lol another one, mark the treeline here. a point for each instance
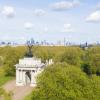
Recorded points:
(87, 60)
(75, 74)
(9, 56)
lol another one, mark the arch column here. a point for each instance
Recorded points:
(21, 76)
(17, 76)
(24, 78)
(33, 79)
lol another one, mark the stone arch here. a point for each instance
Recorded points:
(28, 77)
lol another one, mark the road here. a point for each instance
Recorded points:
(18, 93)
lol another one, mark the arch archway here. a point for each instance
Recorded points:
(28, 77)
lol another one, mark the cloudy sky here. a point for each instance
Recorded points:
(76, 20)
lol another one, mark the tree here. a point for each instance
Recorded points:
(11, 57)
(65, 82)
(94, 59)
(86, 67)
(71, 55)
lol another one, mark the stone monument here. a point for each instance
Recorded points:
(28, 68)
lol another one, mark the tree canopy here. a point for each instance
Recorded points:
(66, 82)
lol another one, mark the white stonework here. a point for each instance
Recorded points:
(28, 69)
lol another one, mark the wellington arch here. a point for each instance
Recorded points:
(28, 68)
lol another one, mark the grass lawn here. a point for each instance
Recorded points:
(28, 97)
(4, 79)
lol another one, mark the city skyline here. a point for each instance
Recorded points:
(76, 20)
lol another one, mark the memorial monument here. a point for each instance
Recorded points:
(28, 68)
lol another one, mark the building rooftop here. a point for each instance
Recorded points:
(30, 62)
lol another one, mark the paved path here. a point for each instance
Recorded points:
(18, 92)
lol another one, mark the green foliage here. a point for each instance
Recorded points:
(60, 54)
(44, 52)
(86, 67)
(4, 79)
(72, 56)
(94, 59)
(1, 91)
(61, 81)
(66, 82)
(4, 95)
(10, 56)
(29, 97)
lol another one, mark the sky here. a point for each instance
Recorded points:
(52, 20)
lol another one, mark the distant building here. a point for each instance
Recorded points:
(85, 46)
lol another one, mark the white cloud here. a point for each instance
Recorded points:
(67, 28)
(94, 17)
(39, 12)
(8, 11)
(28, 25)
(65, 5)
